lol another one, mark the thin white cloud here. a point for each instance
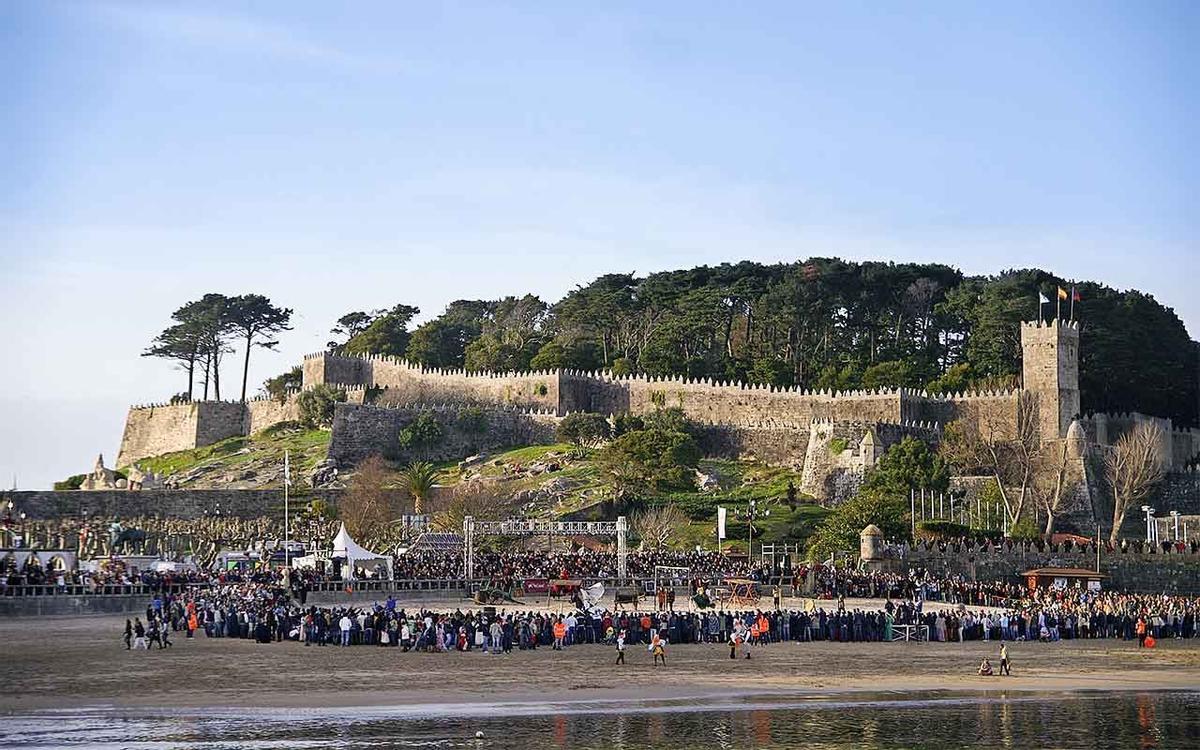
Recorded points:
(233, 33)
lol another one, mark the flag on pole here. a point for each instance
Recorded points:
(1075, 297)
(721, 522)
(1043, 299)
(1062, 295)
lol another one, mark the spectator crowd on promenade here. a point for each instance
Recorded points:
(266, 612)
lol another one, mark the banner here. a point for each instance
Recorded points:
(536, 585)
(720, 522)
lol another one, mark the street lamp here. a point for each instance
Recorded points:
(1175, 519)
(749, 514)
(1149, 520)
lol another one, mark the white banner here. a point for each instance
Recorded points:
(720, 522)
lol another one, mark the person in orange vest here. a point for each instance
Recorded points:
(560, 633)
(1140, 629)
(764, 629)
(754, 632)
(659, 648)
(646, 626)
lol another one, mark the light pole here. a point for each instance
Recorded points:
(1149, 514)
(750, 513)
(1175, 519)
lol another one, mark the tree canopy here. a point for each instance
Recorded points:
(818, 323)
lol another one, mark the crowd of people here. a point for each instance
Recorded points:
(268, 611)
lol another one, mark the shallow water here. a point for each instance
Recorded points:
(1081, 720)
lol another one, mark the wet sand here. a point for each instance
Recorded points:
(73, 662)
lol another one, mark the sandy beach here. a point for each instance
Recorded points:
(81, 662)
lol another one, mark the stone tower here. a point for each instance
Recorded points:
(1050, 371)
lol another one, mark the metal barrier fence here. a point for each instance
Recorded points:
(459, 586)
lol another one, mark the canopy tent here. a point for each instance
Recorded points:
(359, 557)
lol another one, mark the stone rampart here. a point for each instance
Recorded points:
(185, 504)
(1142, 571)
(362, 430)
(165, 428)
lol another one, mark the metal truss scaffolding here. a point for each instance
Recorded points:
(472, 528)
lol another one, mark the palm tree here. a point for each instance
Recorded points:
(418, 480)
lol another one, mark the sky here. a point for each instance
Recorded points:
(339, 157)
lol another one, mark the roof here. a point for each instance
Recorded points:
(437, 541)
(871, 530)
(344, 546)
(1064, 573)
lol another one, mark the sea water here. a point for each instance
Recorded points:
(1015, 720)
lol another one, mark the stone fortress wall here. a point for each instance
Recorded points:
(784, 425)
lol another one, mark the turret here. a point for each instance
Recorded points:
(1050, 371)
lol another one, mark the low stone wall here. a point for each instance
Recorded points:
(1146, 572)
(185, 504)
(42, 606)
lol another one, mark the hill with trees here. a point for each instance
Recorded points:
(819, 323)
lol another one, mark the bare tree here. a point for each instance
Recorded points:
(656, 526)
(1133, 467)
(990, 443)
(482, 499)
(368, 507)
(1053, 486)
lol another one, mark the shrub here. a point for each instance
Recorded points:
(584, 430)
(72, 482)
(837, 445)
(473, 421)
(316, 405)
(423, 432)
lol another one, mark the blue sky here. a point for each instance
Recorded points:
(350, 156)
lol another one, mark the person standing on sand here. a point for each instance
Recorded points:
(1004, 667)
(621, 648)
(659, 647)
(139, 634)
(128, 634)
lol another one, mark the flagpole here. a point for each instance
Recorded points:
(1057, 306)
(1072, 303)
(287, 479)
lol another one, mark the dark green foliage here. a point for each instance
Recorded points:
(626, 422)
(671, 419)
(253, 319)
(316, 405)
(908, 465)
(386, 334)
(584, 430)
(650, 460)
(278, 386)
(473, 421)
(423, 432)
(837, 445)
(839, 532)
(72, 482)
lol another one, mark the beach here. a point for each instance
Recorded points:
(81, 662)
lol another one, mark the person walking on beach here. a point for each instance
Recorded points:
(164, 633)
(1004, 667)
(659, 648)
(346, 624)
(621, 648)
(128, 634)
(139, 634)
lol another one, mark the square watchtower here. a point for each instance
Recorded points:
(1050, 371)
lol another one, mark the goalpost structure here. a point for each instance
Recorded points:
(549, 529)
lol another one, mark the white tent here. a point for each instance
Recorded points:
(357, 556)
